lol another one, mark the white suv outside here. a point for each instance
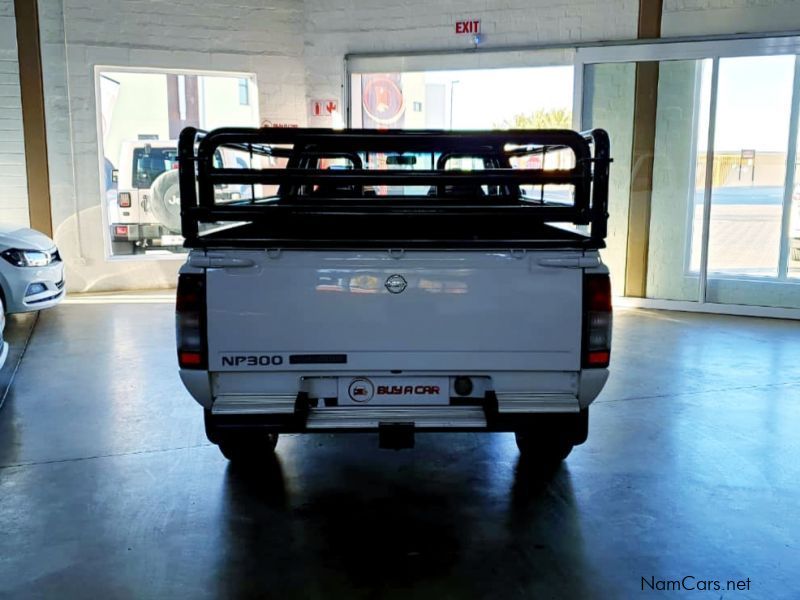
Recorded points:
(137, 218)
(144, 210)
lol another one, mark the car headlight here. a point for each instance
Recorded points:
(27, 258)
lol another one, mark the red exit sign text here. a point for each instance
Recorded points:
(468, 27)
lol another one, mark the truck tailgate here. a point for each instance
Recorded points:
(458, 311)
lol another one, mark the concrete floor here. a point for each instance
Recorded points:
(108, 488)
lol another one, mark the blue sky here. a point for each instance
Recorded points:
(753, 103)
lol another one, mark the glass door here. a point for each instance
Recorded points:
(792, 220)
(678, 166)
(724, 223)
(748, 253)
(679, 174)
(608, 94)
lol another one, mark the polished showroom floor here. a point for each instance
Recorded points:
(108, 488)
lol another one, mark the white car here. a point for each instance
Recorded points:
(31, 270)
(3, 343)
(794, 234)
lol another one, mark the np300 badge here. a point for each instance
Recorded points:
(396, 284)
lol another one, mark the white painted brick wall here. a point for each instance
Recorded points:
(701, 17)
(334, 28)
(13, 180)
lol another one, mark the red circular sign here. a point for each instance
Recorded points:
(382, 99)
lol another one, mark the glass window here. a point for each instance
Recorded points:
(794, 220)
(142, 114)
(676, 209)
(405, 161)
(512, 98)
(725, 197)
(754, 100)
(608, 95)
(244, 92)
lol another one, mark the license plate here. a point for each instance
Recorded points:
(394, 391)
(171, 240)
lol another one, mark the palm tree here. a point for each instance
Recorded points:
(554, 118)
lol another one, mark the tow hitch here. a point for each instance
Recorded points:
(395, 436)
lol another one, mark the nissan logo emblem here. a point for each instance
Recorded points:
(396, 284)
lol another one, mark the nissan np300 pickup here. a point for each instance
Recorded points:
(395, 282)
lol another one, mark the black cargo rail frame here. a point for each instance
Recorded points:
(198, 178)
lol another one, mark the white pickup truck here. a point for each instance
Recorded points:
(395, 282)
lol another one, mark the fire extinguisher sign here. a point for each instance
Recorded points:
(324, 107)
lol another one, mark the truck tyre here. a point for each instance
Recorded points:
(248, 447)
(545, 450)
(550, 440)
(245, 446)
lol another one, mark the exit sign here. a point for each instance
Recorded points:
(473, 27)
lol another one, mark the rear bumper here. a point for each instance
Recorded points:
(495, 410)
(351, 419)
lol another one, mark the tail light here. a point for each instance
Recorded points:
(121, 230)
(124, 199)
(190, 326)
(596, 321)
